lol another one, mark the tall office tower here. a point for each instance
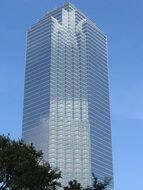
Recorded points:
(66, 95)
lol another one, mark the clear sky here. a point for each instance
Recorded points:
(122, 21)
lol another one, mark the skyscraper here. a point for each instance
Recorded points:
(66, 95)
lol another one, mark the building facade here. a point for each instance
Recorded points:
(66, 95)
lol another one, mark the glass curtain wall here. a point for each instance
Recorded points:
(66, 95)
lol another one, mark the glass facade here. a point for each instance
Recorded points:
(66, 96)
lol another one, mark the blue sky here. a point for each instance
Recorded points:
(122, 21)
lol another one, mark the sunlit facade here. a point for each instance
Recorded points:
(66, 95)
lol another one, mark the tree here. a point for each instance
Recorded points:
(73, 185)
(98, 185)
(22, 167)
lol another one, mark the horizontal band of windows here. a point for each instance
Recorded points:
(97, 74)
(92, 79)
(31, 130)
(38, 48)
(45, 75)
(95, 78)
(96, 48)
(38, 42)
(27, 122)
(93, 29)
(99, 124)
(40, 30)
(42, 64)
(35, 124)
(96, 118)
(99, 140)
(101, 149)
(33, 68)
(98, 70)
(93, 51)
(39, 80)
(98, 114)
(97, 43)
(99, 144)
(98, 102)
(30, 87)
(38, 51)
(36, 99)
(57, 51)
(92, 33)
(34, 47)
(99, 109)
(95, 63)
(45, 68)
(37, 72)
(38, 58)
(26, 133)
(35, 62)
(43, 31)
(38, 27)
(98, 95)
(100, 172)
(31, 65)
(96, 56)
(104, 132)
(95, 152)
(36, 119)
(45, 20)
(98, 151)
(35, 114)
(101, 162)
(37, 89)
(28, 126)
(91, 25)
(38, 55)
(31, 100)
(42, 107)
(29, 109)
(96, 126)
(105, 138)
(30, 123)
(98, 98)
(96, 139)
(99, 132)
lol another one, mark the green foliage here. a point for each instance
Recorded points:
(73, 185)
(22, 167)
(100, 185)
(97, 185)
